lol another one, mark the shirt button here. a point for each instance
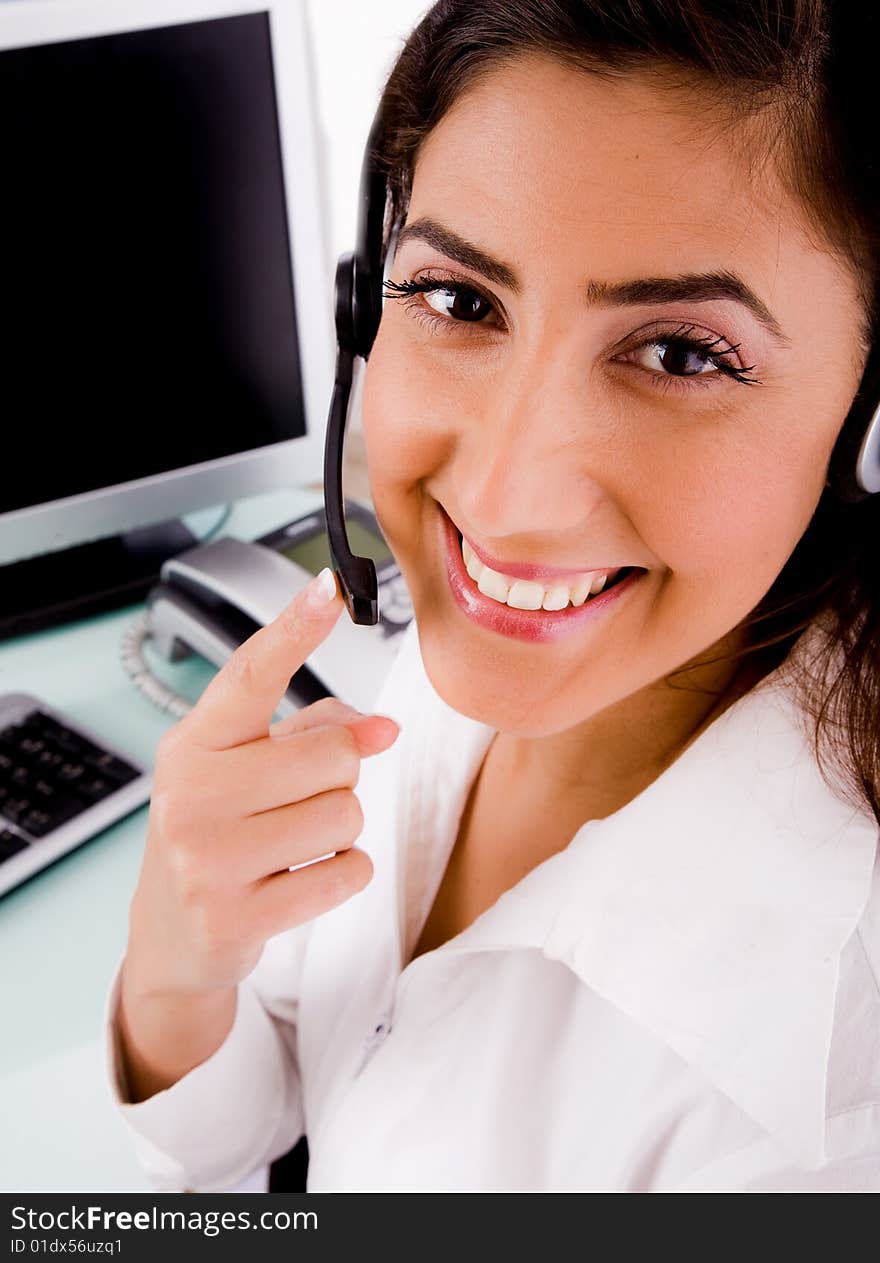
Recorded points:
(379, 1032)
(382, 1029)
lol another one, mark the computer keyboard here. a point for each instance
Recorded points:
(60, 784)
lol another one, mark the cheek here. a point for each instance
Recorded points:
(406, 415)
(738, 518)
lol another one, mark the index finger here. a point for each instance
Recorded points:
(239, 702)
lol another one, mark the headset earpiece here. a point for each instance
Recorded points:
(358, 306)
(868, 460)
(854, 467)
(346, 336)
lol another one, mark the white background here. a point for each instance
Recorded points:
(356, 43)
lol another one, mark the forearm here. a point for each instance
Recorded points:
(163, 1037)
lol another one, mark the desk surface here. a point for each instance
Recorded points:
(62, 932)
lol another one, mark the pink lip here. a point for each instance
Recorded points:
(531, 625)
(528, 570)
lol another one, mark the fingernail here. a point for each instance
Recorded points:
(321, 590)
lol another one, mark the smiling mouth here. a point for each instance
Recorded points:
(526, 594)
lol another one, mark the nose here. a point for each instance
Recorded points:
(531, 457)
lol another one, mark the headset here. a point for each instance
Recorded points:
(358, 312)
(853, 468)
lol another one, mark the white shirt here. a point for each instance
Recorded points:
(684, 998)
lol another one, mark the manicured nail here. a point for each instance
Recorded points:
(321, 590)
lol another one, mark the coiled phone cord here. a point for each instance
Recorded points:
(139, 672)
(132, 657)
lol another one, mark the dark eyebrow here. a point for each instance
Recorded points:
(695, 287)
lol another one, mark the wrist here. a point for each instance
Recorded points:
(162, 1035)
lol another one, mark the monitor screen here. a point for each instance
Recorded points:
(147, 316)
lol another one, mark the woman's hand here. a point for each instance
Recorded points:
(232, 809)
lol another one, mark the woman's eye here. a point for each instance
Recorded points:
(672, 356)
(459, 304)
(452, 303)
(678, 358)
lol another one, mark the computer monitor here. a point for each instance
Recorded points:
(166, 323)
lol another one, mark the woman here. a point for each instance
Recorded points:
(614, 924)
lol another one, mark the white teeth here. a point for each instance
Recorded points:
(524, 594)
(555, 598)
(581, 590)
(493, 584)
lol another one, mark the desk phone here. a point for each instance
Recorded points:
(212, 597)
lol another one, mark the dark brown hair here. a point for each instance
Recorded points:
(802, 72)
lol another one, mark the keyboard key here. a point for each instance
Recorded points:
(43, 817)
(70, 772)
(115, 769)
(44, 790)
(24, 749)
(38, 822)
(10, 844)
(14, 808)
(64, 737)
(31, 779)
(94, 788)
(70, 743)
(50, 759)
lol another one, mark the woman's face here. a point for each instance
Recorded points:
(559, 427)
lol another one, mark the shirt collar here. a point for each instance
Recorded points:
(712, 908)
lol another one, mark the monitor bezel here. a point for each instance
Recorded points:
(104, 511)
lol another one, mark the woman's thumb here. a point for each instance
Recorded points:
(373, 733)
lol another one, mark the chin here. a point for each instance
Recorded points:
(472, 689)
